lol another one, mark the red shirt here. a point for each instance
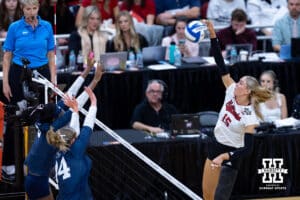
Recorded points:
(100, 3)
(148, 9)
(227, 36)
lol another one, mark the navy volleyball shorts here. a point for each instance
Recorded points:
(36, 186)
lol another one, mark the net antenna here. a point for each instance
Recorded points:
(37, 77)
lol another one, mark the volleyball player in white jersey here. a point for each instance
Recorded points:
(233, 134)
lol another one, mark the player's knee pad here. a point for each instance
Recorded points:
(226, 183)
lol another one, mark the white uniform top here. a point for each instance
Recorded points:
(271, 114)
(233, 119)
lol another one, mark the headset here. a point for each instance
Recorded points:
(164, 86)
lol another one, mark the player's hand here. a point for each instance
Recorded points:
(71, 102)
(210, 27)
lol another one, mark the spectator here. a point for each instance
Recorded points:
(219, 11)
(88, 36)
(168, 10)
(237, 33)
(142, 10)
(287, 27)
(266, 12)
(31, 38)
(153, 114)
(275, 108)
(143, 13)
(10, 11)
(109, 9)
(126, 38)
(186, 47)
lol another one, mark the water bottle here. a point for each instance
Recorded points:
(72, 61)
(177, 55)
(80, 61)
(233, 56)
(139, 60)
(172, 53)
(131, 59)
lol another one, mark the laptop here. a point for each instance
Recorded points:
(185, 125)
(153, 54)
(239, 47)
(114, 61)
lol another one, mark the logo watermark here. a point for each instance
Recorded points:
(272, 174)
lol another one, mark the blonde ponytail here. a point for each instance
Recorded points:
(258, 94)
(54, 139)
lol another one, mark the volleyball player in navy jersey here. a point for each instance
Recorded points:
(72, 165)
(233, 134)
(41, 157)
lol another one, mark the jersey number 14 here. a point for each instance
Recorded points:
(62, 169)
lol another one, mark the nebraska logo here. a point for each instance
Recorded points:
(272, 170)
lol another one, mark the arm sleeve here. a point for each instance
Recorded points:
(90, 117)
(73, 90)
(62, 121)
(245, 150)
(75, 123)
(82, 99)
(216, 51)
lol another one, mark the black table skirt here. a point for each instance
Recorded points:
(118, 174)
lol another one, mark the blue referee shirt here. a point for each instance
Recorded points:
(34, 44)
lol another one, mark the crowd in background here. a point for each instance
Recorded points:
(154, 19)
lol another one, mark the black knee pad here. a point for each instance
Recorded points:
(226, 183)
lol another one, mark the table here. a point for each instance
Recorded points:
(117, 174)
(190, 89)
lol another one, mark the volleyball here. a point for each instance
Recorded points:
(195, 31)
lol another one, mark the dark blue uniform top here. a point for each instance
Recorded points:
(41, 157)
(73, 167)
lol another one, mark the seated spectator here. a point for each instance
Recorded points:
(287, 27)
(276, 107)
(186, 47)
(219, 11)
(126, 38)
(153, 114)
(10, 11)
(109, 9)
(237, 33)
(88, 37)
(141, 10)
(266, 12)
(168, 10)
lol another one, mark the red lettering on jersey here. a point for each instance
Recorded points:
(230, 108)
(226, 119)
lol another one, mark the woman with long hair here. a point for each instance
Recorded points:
(73, 165)
(276, 107)
(10, 11)
(233, 134)
(126, 38)
(41, 157)
(88, 36)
